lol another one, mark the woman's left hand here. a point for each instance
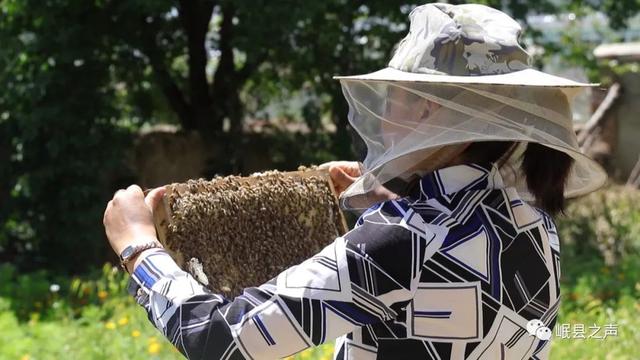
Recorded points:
(343, 173)
(128, 218)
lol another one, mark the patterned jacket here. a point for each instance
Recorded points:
(455, 270)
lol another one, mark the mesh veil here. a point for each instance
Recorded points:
(416, 127)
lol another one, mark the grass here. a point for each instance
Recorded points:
(597, 297)
(89, 318)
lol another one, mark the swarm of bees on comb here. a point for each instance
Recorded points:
(233, 232)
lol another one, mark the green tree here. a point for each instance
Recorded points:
(60, 139)
(78, 78)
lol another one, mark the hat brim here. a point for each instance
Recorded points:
(596, 177)
(527, 77)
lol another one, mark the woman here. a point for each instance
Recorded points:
(448, 261)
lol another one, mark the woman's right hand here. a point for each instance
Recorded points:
(343, 173)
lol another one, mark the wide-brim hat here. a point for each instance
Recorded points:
(463, 44)
(473, 49)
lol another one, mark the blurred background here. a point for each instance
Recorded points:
(99, 94)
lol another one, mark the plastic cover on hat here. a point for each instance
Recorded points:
(417, 127)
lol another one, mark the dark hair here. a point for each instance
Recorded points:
(546, 170)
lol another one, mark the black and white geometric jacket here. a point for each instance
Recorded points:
(455, 270)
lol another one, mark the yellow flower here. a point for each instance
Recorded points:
(33, 318)
(110, 325)
(102, 294)
(123, 321)
(135, 333)
(154, 348)
(25, 357)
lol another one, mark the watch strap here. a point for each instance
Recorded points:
(135, 250)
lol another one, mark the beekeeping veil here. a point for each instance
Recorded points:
(458, 77)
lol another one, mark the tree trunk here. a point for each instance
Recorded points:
(196, 16)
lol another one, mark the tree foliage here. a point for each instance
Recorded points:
(80, 77)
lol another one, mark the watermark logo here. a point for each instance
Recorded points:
(537, 328)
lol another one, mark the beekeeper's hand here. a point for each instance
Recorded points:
(128, 218)
(343, 173)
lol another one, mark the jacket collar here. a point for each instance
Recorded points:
(452, 179)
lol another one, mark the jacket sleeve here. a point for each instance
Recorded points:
(367, 276)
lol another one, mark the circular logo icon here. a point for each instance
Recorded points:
(537, 328)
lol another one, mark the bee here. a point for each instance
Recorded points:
(243, 231)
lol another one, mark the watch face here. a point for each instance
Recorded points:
(127, 252)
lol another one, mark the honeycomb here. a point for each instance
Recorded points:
(233, 232)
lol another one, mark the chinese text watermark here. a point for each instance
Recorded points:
(572, 331)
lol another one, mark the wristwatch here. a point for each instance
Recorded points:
(132, 251)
